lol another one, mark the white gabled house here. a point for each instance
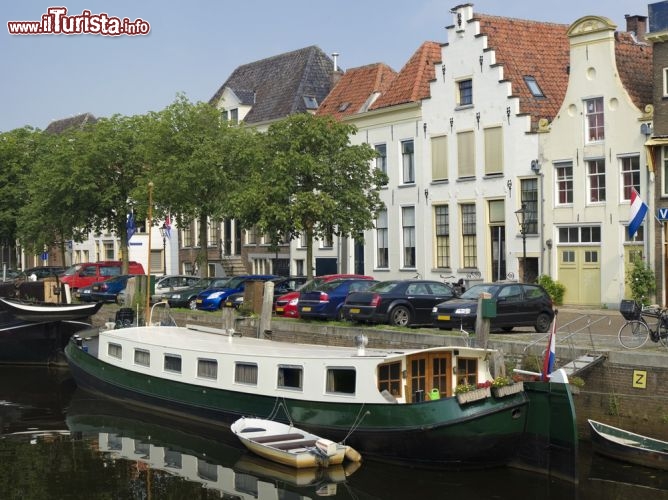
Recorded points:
(592, 158)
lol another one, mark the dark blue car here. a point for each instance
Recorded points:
(214, 298)
(326, 301)
(106, 291)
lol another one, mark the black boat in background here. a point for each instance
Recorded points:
(36, 333)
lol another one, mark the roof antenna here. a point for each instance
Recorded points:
(335, 55)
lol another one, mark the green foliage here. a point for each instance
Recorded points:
(641, 281)
(312, 181)
(501, 381)
(576, 381)
(555, 289)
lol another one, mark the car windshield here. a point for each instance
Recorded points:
(475, 291)
(72, 270)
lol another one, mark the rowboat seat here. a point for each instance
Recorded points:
(253, 429)
(277, 437)
(294, 445)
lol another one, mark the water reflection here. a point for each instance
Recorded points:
(66, 443)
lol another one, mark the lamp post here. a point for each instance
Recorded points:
(163, 233)
(521, 215)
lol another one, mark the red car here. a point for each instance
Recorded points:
(286, 305)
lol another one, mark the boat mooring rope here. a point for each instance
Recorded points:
(278, 404)
(357, 422)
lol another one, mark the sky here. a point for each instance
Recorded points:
(193, 47)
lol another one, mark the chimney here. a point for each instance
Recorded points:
(637, 25)
(337, 73)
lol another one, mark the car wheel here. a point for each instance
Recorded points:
(192, 304)
(507, 328)
(543, 322)
(400, 316)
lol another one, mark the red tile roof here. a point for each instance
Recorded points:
(412, 82)
(530, 48)
(634, 64)
(355, 88)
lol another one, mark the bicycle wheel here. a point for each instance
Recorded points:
(663, 336)
(633, 334)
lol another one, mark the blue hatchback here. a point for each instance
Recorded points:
(214, 298)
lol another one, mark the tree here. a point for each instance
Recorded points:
(54, 210)
(17, 154)
(199, 161)
(111, 166)
(312, 181)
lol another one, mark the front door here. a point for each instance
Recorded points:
(429, 371)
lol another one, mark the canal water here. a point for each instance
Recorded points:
(58, 442)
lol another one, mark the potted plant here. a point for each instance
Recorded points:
(504, 386)
(467, 393)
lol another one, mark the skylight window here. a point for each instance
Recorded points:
(534, 88)
(343, 106)
(310, 102)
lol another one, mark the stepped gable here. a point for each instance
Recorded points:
(357, 89)
(276, 86)
(412, 82)
(78, 121)
(530, 48)
(634, 64)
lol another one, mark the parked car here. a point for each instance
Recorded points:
(84, 294)
(326, 300)
(187, 297)
(214, 298)
(40, 272)
(106, 291)
(172, 283)
(398, 302)
(517, 304)
(286, 305)
(80, 275)
(282, 285)
(9, 274)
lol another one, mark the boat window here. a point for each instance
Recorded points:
(115, 351)
(341, 380)
(142, 357)
(245, 373)
(290, 377)
(467, 371)
(172, 363)
(207, 471)
(389, 378)
(207, 368)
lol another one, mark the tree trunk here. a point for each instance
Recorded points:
(309, 252)
(202, 253)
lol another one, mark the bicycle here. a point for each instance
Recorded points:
(457, 286)
(635, 332)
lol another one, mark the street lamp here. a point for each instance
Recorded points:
(164, 232)
(521, 215)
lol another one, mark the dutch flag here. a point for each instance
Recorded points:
(638, 212)
(550, 354)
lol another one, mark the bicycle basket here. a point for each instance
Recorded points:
(630, 309)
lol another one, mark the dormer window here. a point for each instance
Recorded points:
(310, 102)
(534, 88)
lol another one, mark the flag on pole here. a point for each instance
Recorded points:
(168, 226)
(550, 353)
(638, 211)
(130, 225)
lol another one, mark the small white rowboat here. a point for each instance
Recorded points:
(288, 445)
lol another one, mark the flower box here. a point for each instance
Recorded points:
(507, 390)
(474, 395)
